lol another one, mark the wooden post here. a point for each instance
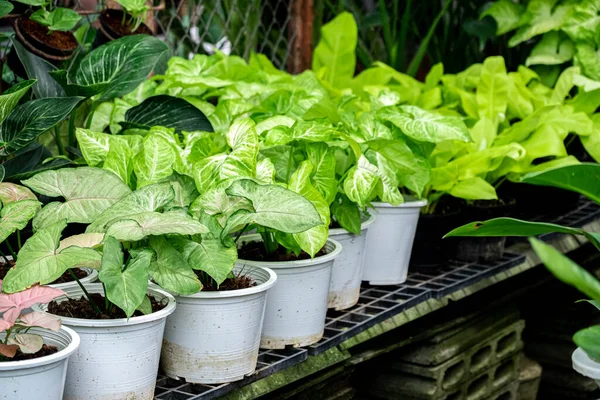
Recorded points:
(300, 34)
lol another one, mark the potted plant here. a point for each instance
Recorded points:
(34, 348)
(583, 179)
(115, 23)
(47, 31)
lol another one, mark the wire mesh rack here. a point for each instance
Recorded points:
(376, 304)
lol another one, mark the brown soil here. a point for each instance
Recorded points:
(59, 40)
(239, 282)
(64, 278)
(114, 20)
(81, 308)
(255, 251)
(45, 351)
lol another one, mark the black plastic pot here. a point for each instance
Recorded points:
(484, 249)
(532, 201)
(107, 32)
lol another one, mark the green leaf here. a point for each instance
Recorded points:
(566, 270)
(167, 111)
(209, 254)
(38, 3)
(118, 67)
(360, 182)
(125, 286)
(586, 57)
(265, 171)
(15, 216)
(553, 49)
(5, 8)
(323, 170)
(119, 160)
(424, 125)
(146, 306)
(39, 69)
(170, 270)
(510, 227)
(312, 240)
(10, 192)
(474, 189)
(10, 98)
(137, 227)
(334, 57)
(540, 17)
(347, 214)
(492, 90)
(274, 207)
(506, 13)
(154, 162)
(59, 19)
(589, 340)
(87, 191)
(147, 199)
(29, 120)
(581, 178)
(40, 261)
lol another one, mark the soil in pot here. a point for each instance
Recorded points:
(81, 308)
(430, 251)
(235, 283)
(46, 350)
(484, 249)
(255, 251)
(53, 46)
(64, 278)
(112, 27)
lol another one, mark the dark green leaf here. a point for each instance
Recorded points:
(589, 340)
(26, 122)
(510, 227)
(5, 8)
(167, 111)
(347, 214)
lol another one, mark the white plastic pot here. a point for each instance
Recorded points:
(583, 364)
(389, 242)
(297, 305)
(118, 358)
(346, 275)
(213, 337)
(41, 378)
(91, 277)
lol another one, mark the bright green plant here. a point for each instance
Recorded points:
(53, 18)
(582, 178)
(137, 9)
(566, 32)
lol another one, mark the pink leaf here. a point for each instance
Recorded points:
(40, 319)
(29, 343)
(11, 315)
(8, 350)
(29, 297)
(4, 325)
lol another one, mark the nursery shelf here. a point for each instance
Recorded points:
(380, 309)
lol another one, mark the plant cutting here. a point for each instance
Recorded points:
(47, 31)
(582, 179)
(115, 23)
(34, 349)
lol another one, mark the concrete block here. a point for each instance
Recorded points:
(509, 392)
(530, 375)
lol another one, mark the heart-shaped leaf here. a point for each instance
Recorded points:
(126, 286)
(28, 343)
(29, 120)
(170, 270)
(40, 319)
(10, 192)
(137, 227)
(167, 111)
(8, 350)
(90, 240)
(87, 191)
(15, 216)
(39, 260)
(12, 304)
(154, 162)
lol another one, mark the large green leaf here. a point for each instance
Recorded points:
(334, 57)
(26, 122)
(170, 270)
(424, 125)
(10, 98)
(506, 13)
(566, 270)
(155, 161)
(15, 216)
(87, 191)
(137, 227)
(492, 90)
(347, 214)
(147, 199)
(274, 207)
(553, 49)
(581, 178)
(126, 285)
(39, 69)
(589, 340)
(10, 192)
(312, 240)
(117, 67)
(541, 16)
(209, 254)
(475, 188)
(510, 227)
(323, 172)
(167, 111)
(360, 182)
(40, 261)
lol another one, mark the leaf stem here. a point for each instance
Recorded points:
(241, 233)
(19, 245)
(85, 292)
(59, 143)
(289, 166)
(11, 251)
(106, 302)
